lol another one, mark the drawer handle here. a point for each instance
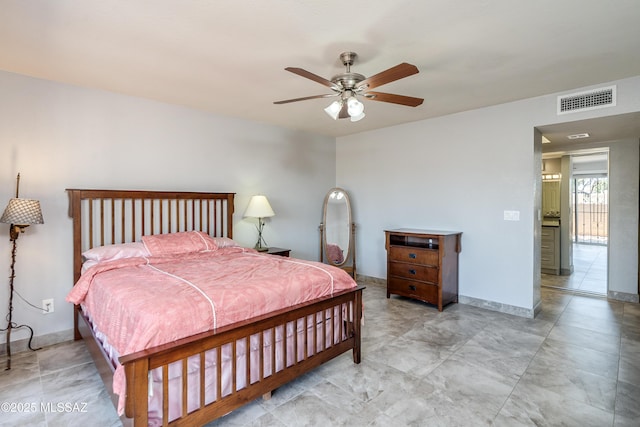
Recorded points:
(412, 256)
(412, 271)
(412, 287)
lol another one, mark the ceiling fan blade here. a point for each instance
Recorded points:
(286, 101)
(398, 72)
(309, 75)
(409, 101)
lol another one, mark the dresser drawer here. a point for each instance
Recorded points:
(547, 261)
(414, 271)
(411, 289)
(413, 255)
(548, 246)
(546, 232)
(549, 251)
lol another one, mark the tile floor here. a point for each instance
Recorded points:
(576, 364)
(589, 271)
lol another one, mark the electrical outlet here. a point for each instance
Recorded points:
(47, 306)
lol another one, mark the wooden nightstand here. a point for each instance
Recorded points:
(279, 251)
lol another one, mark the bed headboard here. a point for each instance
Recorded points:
(102, 217)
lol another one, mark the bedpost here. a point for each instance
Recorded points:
(230, 208)
(136, 402)
(74, 213)
(357, 329)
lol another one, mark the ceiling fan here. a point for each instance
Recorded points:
(348, 86)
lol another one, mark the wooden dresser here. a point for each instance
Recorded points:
(423, 264)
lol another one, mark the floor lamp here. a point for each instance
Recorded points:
(19, 213)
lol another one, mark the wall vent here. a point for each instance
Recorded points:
(590, 100)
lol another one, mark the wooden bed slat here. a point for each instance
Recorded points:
(202, 378)
(185, 386)
(219, 373)
(247, 359)
(165, 394)
(234, 385)
(262, 355)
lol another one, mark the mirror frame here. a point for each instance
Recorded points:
(349, 261)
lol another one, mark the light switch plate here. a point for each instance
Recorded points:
(512, 215)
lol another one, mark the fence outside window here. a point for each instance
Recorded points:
(591, 204)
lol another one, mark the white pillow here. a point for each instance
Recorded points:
(117, 251)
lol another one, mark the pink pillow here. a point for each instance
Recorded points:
(225, 242)
(117, 251)
(334, 253)
(178, 243)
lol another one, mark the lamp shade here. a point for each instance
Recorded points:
(358, 117)
(259, 207)
(356, 108)
(22, 212)
(334, 109)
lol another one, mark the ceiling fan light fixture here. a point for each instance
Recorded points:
(334, 109)
(355, 107)
(358, 117)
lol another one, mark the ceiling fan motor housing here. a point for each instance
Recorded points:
(347, 81)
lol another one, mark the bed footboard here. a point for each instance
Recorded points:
(331, 326)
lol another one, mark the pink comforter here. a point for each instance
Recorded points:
(139, 303)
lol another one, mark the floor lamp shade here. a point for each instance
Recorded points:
(22, 212)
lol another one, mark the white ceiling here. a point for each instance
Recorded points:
(610, 128)
(228, 56)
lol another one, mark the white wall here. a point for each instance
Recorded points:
(59, 136)
(461, 172)
(442, 174)
(566, 213)
(536, 278)
(623, 217)
(551, 166)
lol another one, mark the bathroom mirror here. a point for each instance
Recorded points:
(337, 232)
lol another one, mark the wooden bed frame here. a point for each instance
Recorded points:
(119, 216)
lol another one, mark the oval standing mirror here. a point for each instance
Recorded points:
(337, 231)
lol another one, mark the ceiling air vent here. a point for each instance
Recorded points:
(589, 100)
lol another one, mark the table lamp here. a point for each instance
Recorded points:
(260, 208)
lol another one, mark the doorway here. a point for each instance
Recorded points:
(587, 234)
(590, 198)
(618, 136)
